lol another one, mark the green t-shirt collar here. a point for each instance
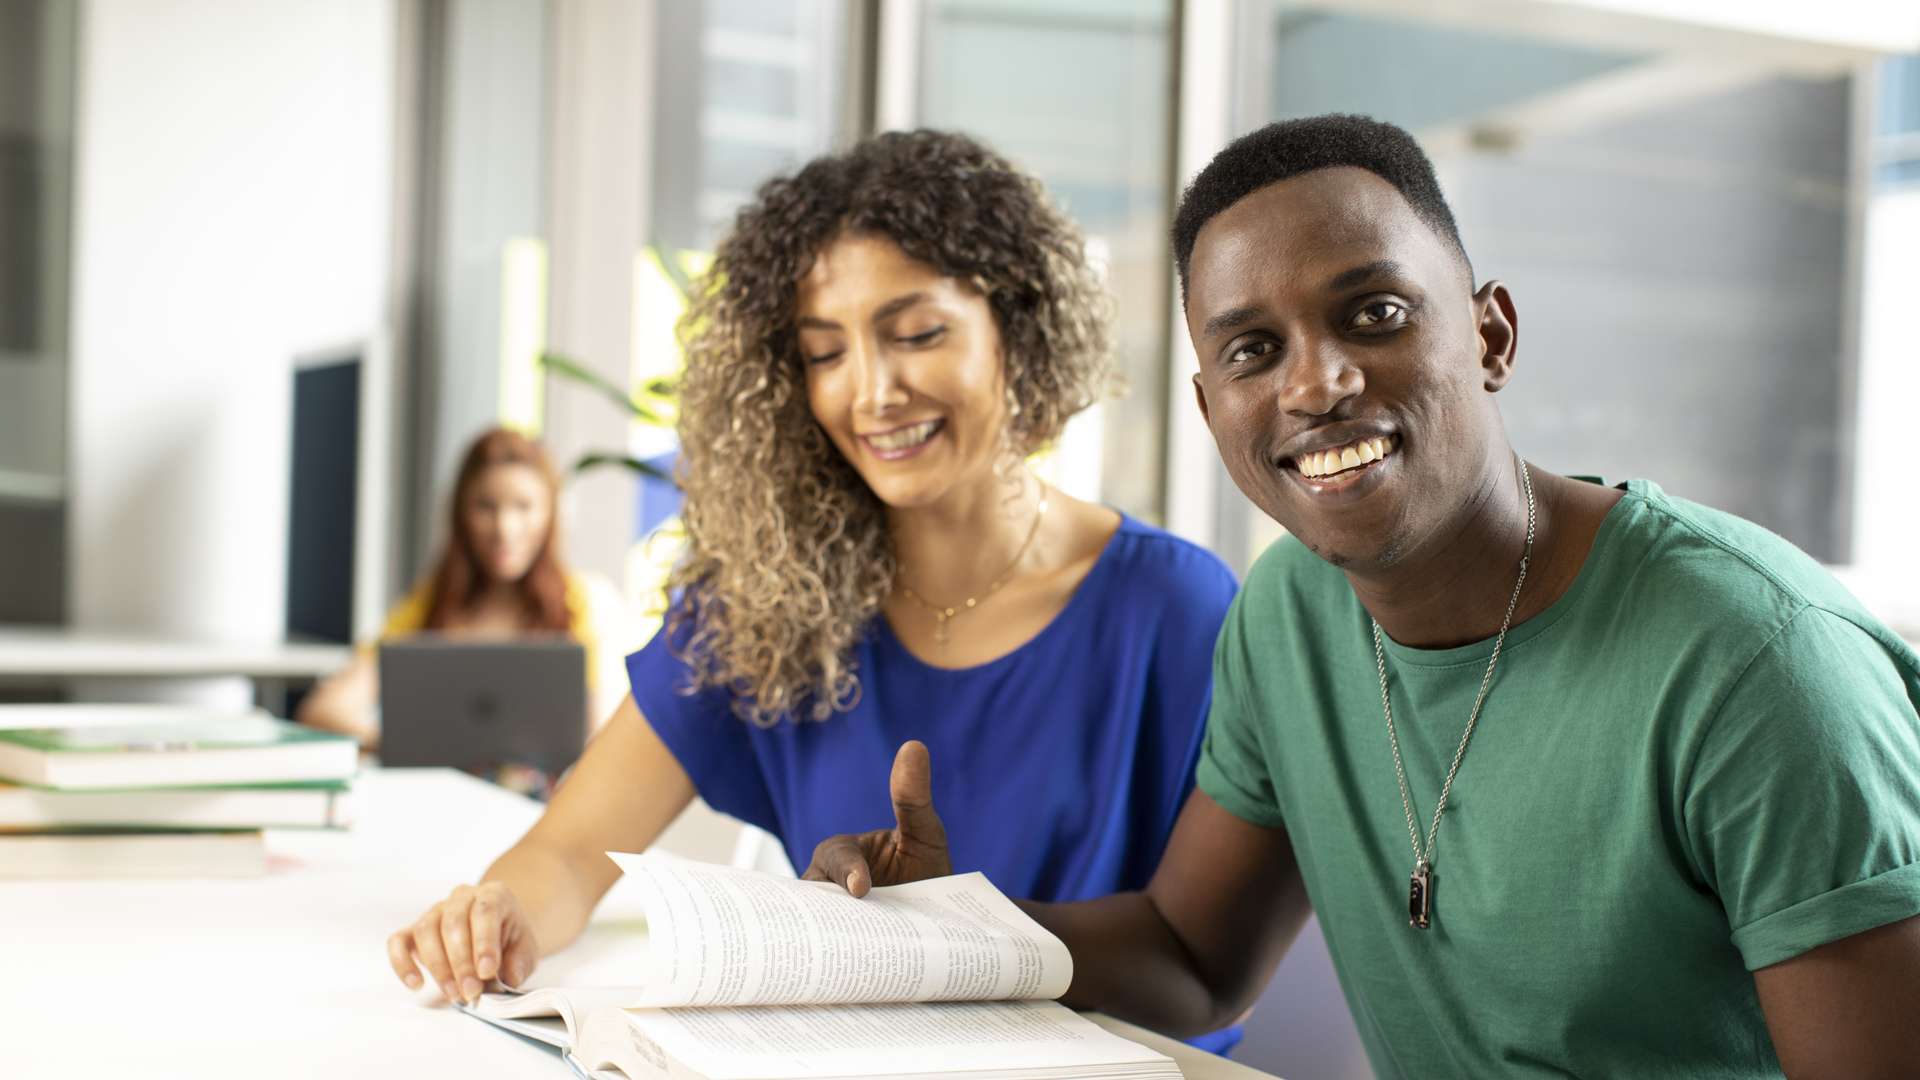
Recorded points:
(1480, 651)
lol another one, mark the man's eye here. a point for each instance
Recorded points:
(1251, 351)
(1379, 313)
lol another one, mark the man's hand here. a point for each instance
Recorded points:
(913, 850)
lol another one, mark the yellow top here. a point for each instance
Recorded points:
(409, 616)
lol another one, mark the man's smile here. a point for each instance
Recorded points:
(1335, 460)
(1342, 460)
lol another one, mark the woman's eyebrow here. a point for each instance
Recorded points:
(897, 305)
(885, 311)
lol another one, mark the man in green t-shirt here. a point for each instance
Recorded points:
(1581, 780)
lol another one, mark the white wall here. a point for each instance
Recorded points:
(231, 210)
(1886, 496)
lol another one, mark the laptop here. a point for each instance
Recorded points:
(487, 708)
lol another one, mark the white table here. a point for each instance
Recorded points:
(40, 655)
(286, 975)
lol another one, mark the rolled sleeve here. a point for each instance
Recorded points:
(1841, 913)
(1803, 813)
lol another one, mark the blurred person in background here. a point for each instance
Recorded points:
(883, 340)
(500, 577)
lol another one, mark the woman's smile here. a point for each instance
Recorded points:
(904, 441)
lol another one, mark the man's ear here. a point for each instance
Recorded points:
(1200, 399)
(1499, 333)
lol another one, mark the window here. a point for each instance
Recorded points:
(1897, 127)
(746, 91)
(1079, 93)
(1674, 225)
(37, 56)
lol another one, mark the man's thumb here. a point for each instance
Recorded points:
(911, 786)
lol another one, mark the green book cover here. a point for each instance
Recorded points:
(250, 732)
(335, 786)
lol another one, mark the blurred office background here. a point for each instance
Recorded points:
(264, 267)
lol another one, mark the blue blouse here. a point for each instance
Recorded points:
(1058, 769)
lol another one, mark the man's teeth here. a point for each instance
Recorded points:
(904, 438)
(1341, 458)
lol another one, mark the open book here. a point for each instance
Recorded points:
(747, 975)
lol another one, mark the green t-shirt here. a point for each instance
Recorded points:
(1702, 760)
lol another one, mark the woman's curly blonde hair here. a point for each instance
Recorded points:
(788, 556)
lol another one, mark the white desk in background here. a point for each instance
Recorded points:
(286, 975)
(43, 655)
(52, 652)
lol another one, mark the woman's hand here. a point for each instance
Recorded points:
(344, 702)
(913, 850)
(478, 933)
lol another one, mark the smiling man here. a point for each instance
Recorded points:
(1581, 780)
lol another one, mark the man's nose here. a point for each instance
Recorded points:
(1318, 378)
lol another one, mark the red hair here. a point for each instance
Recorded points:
(457, 580)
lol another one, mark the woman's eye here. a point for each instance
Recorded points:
(1379, 313)
(1252, 350)
(823, 358)
(924, 338)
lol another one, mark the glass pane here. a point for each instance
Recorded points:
(1076, 91)
(1897, 126)
(1674, 229)
(489, 228)
(748, 89)
(36, 190)
(1899, 97)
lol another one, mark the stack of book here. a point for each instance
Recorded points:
(157, 791)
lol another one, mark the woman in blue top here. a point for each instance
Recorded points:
(882, 341)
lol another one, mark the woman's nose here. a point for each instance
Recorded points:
(878, 387)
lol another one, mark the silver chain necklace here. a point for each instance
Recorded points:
(1420, 891)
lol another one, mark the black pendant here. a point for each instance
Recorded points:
(1420, 897)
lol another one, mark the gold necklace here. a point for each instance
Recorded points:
(944, 615)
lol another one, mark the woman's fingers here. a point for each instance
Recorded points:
(474, 935)
(522, 954)
(483, 922)
(400, 956)
(431, 955)
(456, 936)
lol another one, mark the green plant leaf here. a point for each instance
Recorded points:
(568, 368)
(654, 411)
(634, 464)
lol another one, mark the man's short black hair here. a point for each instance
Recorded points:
(1287, 148)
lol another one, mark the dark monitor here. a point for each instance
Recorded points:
(322, 499)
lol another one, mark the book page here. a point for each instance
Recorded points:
(603, 968)
(719, 936)
(555, 1031)
(986, 1038)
